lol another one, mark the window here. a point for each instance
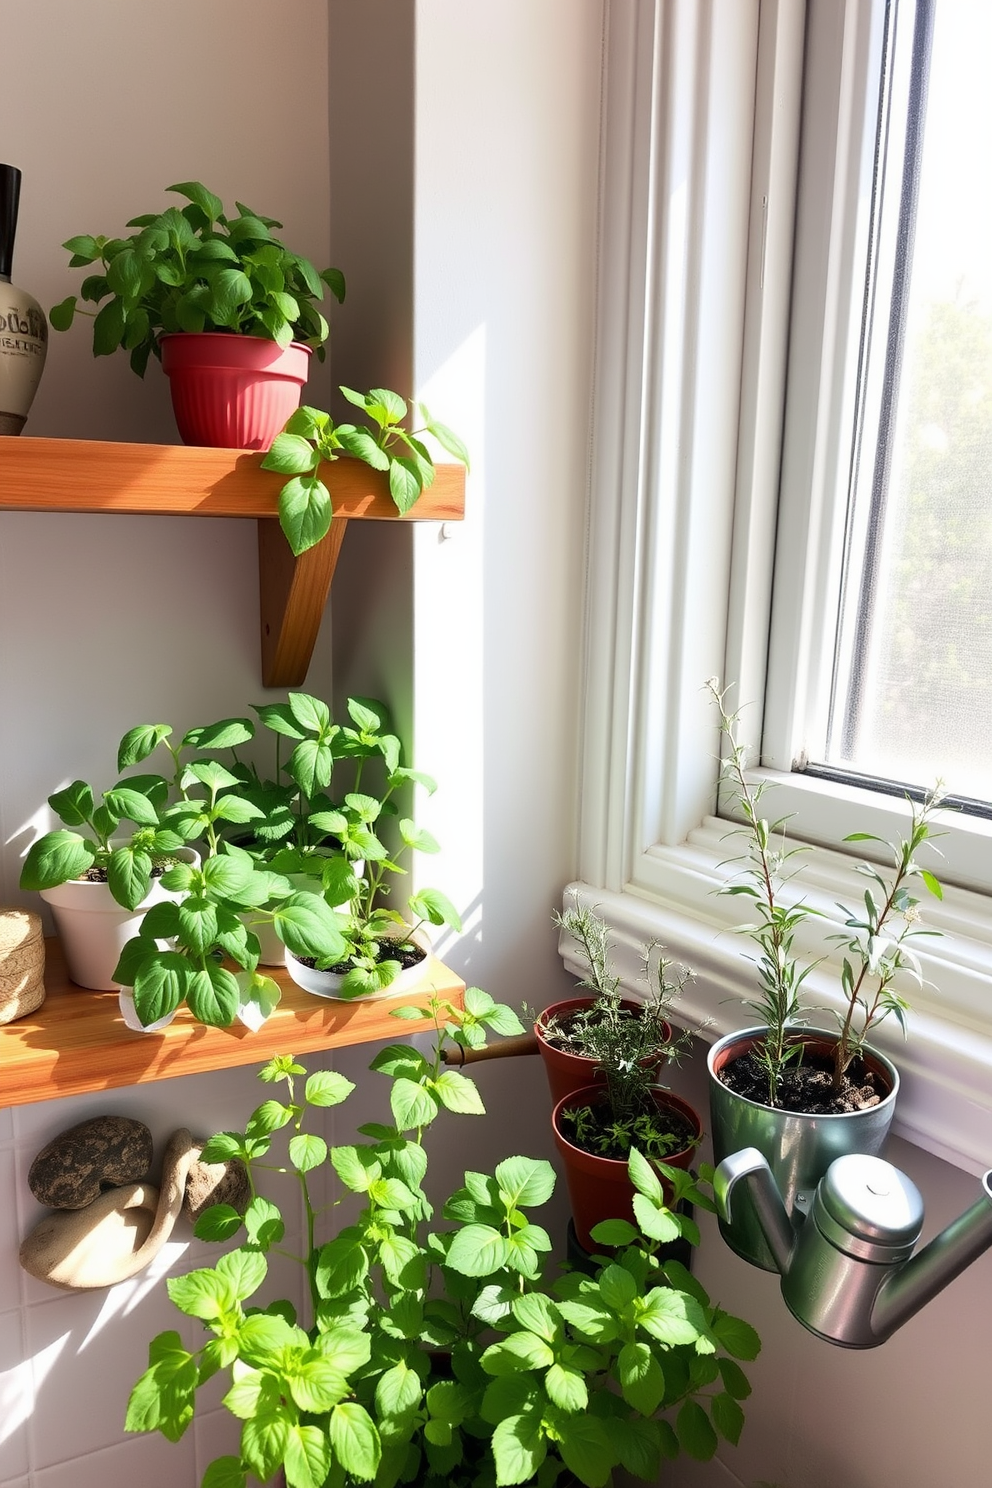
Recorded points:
(738, 141)
(902, 651)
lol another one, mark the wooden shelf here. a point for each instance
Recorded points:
(77, 1041)
(176, 480)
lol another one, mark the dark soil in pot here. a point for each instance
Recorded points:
(406, 954)
(100, 875)
(807, 1086)
(592, 1131)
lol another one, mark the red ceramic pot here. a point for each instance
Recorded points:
(232, 392)
(599, 1187)
(570, 1072)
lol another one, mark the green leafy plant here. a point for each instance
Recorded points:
(292, 852)
(321, 819)
(99, 853)
(195, 268)
(628, 1044)
(179, 953)
(644, 1028)
(353, 819)
(311, 437)
(440, 1353)
(876, 939)
(125, 862)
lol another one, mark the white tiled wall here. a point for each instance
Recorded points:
(68, 1359)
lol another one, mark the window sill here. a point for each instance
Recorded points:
(945, 1103)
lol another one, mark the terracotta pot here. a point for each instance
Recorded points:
(570, 1072)
(599, 1187)
(798, 1146)
(232, 392)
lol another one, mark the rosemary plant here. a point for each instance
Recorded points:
(875, 939)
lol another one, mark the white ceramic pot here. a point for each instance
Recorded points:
(328, 983)
(94, 928)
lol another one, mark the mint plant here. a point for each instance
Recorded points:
(195, 268)
(440, 1352)
(345, 779)
(255, 838)
(127, 866)
(311, 437)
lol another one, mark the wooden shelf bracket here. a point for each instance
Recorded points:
(292, 594)
(162, 480)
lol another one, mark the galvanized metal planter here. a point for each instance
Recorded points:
(798, 1148)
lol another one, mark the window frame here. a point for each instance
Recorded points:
(700, 154)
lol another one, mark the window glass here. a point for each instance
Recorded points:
(912, 678)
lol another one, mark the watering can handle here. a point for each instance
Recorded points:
(749, 1164)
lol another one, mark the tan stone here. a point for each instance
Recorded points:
(215, 1183)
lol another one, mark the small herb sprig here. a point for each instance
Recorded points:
(311, 437)
(628, 1044)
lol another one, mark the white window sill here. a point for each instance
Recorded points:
(945, 1102)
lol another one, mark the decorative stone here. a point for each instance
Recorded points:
(104, 1152)
(114, 1237)
(22, 963)
(215, 1183)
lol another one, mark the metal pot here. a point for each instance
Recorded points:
(798, 1147)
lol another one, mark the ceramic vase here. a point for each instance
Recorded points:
(23, 327)
(94, 928)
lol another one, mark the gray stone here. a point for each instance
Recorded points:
(104, 1152)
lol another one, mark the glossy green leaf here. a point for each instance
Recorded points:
(55, 859)
(355, 1441)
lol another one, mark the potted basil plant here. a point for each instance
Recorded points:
(357, 768)
(231, 312)
(438, 1353)
(104, 867)
(179, 952)
(805, 1096)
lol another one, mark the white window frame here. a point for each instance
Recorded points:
(701, 136)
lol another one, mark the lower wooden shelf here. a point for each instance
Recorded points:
(77, 1041)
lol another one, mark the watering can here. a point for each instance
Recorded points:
(849, 1274)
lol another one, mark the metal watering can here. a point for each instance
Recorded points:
(848, 1271)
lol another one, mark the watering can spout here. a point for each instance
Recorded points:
(750, 1167)
(920, 1279)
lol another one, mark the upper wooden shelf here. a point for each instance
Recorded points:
(179, 480)
(77, 1041)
